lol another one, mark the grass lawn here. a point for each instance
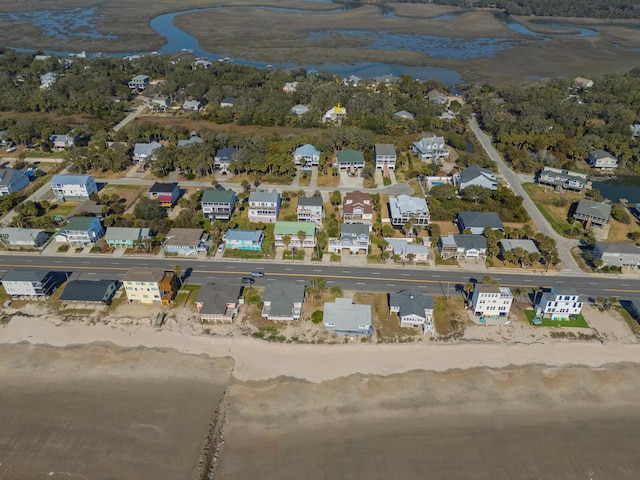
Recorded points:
(328, 180)
(40, 154)
(555, 215)
(448, 315)
(186, 295)
(619, 232)
(578, 321)
(62, 209)
(305, 179)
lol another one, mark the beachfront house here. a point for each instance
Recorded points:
(385, 156)
(344, 317)
(223, 157)
(490, 300)
(479, 176)
(150, 285)
(405, 209)
(166, 194)
(617, 254)
(592, 213)
(218, 303)
(73, 187)
(310, 209)
(146, 152)
(357, 207)
(264, 206)
(407, 250)
(32, 284)
(562, 179)
(414, 309)
(354, 238)
(476, 222)
(282, 302)
(244, 240)
(12, 181)
(81, 231)
(125, 237)
(559, 304)
(602, 159)
(82, 293)
(218, 204)
(301, 234)
(307, 156)
(14, 237)
(431, 149)
(463, 247)
(186, 241)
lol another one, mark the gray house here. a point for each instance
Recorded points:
(475, 175)
(463, 246)
(223, 157)
(562, 179)
(12, 181)
(354, 237)
(414, 309)
(404, 208)
(145, 151)
(218, 204)
(509, 245)
(13, 237)
(431, 149)
(478, 221)
(28, 283)
(186, 241)
(264, 206)
(283, 301)
(592, 213)
(385, 156)
(218, 302)
(618, 254)
(89, 292)
(602, 159)
(346, 318)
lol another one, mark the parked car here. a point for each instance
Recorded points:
(11, 149)
(248, 280)
(257, 274)
(221, 248)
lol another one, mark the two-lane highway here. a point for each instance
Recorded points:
(382, 279)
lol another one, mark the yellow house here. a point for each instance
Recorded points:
(150, 285)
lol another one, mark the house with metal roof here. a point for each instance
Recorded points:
(403, 247)
(223, 157)
(561, 178)
(283, 301)
(192, 140)
(218, 204)
(293, 230)
(463, 247)
(354, 238)
(264, 206)
(306, 155)
(478, 221)
(28, 283)
(81, 231)
(511, 244)
(475, 175)
(310, 209)
(14, 237)
(349, 159)
(61, 142)
(436, 97)
(228, 102)
(602, 159)
(414, 309)
(86, 292)
(385, 156)
(344, 317)
(12, 181)
(618, 254)
(47, 80)
(192, 105)
(125, 237)
(404, 208)
(139, 82)
(244, 240)
(73, 187)
(218, 302)
(166, 194)
(143, 152)
(186, 241)
(432, 149)
(299, 109)
(592, 213)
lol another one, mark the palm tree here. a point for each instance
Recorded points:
(286, 239)
(410, 257)
(302, 237)
(178, 271)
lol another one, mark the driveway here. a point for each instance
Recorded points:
(514, 181)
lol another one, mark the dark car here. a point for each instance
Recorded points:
(257, 274)
(248, 280)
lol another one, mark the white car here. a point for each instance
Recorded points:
(221, 248)
(11, 149)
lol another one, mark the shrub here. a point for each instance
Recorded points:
(63, 248)
(317, 316)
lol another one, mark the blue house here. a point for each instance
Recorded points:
(244, 240)
(125, 236)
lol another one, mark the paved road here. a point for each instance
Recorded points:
(129, 118)
(438, 282)
(515, 182)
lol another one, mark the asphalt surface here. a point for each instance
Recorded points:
(382, 279)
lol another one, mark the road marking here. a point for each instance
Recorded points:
(330, 281)
(375, 273)
(625, 285)
(435, 276)
(92, 273)
(288, 269)
(559, 281)
(57, 261)
(405, 274)
(87, 263)
(359, 283)
(391, 284)
(115, 263)
(144, 264)
(29, 261)
(211, 277)
(346, 271)
(593, 283)
(528, 280)
(317, 270)
(231, 266)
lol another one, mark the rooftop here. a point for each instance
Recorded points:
(184, 236)
(411, 302)
(292, 228)
(309, 201)
(215, 297)
(480, 219)
(86, 290)
(217, 196)
(71, 179)
(264, 196)
(385, 149)
(79, 223)
(593, 209)
(282, 297)
(244, 235)
(160, 187)
(32, 276)
(346, 315)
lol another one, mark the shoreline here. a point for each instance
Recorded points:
(256, 359)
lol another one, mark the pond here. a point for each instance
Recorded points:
(614, 189)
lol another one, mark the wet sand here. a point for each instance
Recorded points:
(103, 412)
(514, 423)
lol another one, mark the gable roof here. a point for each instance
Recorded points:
(15, 234)
(411, 302)
(468, 242)
(215, 297)
(282, 297)
(385, 149)
(161, 187)
(264, 196)
(480, 219)
(406, 204)
(146, 149)
(217, 196)
(126, 233)
(426, 144)
(349, 156)
(306, 150)
(192, 140)
(21, 275)
(244, 235)
(346, 315)
(403, 245)
(292, 228)
(527, 245)
(404, 115)
(617, 247)
(79, 224)
(355, 229)
(600, 154)
(86, 290)
(475, 171)
(309, 201)
(184, 236)
(593, 209)
(70, 179)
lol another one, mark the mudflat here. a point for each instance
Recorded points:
(104, 412)
(530, 422)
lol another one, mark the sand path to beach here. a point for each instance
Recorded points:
(258, 360)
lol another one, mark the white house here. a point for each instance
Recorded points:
(12, 181)
(28, 283)
(346, 318)
(13, 237)
(293, 229)
(264, 206)
(385, 156)
(404, 208)
(192, 105)
(139, 82)
(73, 187)
(223, 157)
(81, 231)
(63, 141)
(335, 115)
(357, 207)
(475, 175)
(47, 80)
(227, 102)
(290, 87)
(602, 159)
(490, 300)
(307, 155)
(354, 238)
(619, 254)
(414, 309)
(431, 149)
(463, 246)
(403, 247)
(310, 209)
(559, 303)
(144, 151)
